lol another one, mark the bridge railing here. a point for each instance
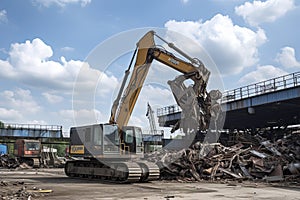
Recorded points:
(271, 85)
(30, 131)
(168, 110)
(33, 127)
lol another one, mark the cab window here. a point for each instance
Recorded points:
(129, 136)
(97, 135)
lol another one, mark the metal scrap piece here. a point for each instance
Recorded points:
(273, 178)
(257, 161)
(258, 154)
(294, 168)
(245, 171)
(277, 171)
(271, 148)
(230, 173)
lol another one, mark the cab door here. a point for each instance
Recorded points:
(132, 138)
(129, 139)
(139, 145)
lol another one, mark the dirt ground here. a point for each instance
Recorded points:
(53, 184)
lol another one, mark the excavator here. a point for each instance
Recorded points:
(28, 151)
(113, 151)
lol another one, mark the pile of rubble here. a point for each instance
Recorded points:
(7, 162)
(252, 158)
(18, 190)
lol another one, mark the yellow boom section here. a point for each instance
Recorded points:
(146, 52)
(136, 81)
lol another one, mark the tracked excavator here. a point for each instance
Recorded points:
(112, 151)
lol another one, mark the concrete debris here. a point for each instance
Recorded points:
(254, 158)
(24, 166)
(19, 191)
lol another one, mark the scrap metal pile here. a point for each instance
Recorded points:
(252, 158)
(13, 163)
(6, 162)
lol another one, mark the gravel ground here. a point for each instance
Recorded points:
(53, 184)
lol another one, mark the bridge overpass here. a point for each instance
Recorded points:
(270, 103)
(46, 133)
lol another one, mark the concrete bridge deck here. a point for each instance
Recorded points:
(30, 131)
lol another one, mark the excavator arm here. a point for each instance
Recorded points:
(188, 98)
(123, 106)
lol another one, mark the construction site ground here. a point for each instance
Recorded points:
(53, 184)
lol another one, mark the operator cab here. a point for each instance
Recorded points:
(132, 138)
(27, 148)
(105, 141)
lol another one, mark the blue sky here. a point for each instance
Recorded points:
(44, 44)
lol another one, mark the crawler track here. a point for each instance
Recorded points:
(118, 172)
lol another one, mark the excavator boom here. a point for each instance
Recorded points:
(147, 51)
(126, 104)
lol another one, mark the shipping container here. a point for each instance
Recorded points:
(3, 149)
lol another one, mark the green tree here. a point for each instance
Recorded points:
(1, 124)
(61, 148)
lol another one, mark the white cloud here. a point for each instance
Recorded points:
(19, 99)
(3, 16)
(70, 118)
(261, 73)
(184, 1)
(67, 49)
(19, 106)
(287, 58)
(9, 115)
(138, 121)
(230, 46)
(31, 63)
(51, 98)
(157, 96)
(62, 3)
(259, 12)
(81, 117)
(34, 52)
(39, 122)
(7, 70)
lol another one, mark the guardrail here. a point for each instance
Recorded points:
(168, 110)
(33, 127)
(263, 87)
